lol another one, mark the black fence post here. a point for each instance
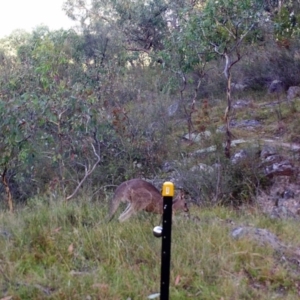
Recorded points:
(168, 193)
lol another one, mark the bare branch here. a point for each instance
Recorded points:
(237, 44)
(88, 171)
(137, 49)
(60, 114)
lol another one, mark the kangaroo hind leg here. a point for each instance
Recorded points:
(114, 205)
(127, 213)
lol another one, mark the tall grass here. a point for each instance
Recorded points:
(68, 251)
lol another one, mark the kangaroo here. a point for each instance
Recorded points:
(141, 195)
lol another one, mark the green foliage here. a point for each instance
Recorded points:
(225, 23)
(17, 150)
(286, 23)
(58, 129)
(143, 23)
(50, 117)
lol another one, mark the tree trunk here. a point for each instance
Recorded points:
(228, 108)
(7, 190)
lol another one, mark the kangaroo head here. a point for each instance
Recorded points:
(179, 203)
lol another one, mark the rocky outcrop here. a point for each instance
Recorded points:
(283, 198)
(275, 164)
(276, 86)
(286, 253)
(282, 201)
(262, 236)
(238, 86)
(293, 92)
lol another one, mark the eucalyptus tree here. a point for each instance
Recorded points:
(48, 122)
(225, 27)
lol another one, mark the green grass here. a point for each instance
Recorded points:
(67, 251)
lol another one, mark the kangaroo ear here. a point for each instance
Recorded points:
(179, 196)
(181, 193)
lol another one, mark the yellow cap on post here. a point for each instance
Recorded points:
(168, 189)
